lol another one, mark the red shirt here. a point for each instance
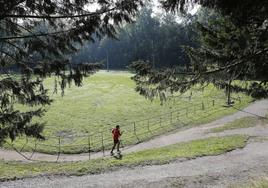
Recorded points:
(116, 133)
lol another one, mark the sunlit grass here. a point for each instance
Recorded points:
(189, 150)
(245, 122)
(257, 183)
(107, 99)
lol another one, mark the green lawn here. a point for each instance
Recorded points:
(257, 183)
(245, 122)
(193, 149)
(107, 99)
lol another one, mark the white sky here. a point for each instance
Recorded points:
(159, 11)
(156, 9)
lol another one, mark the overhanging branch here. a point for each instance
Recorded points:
(61, 16)
(219, 69)
(36, 35)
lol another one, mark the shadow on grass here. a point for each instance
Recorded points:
(119, 156)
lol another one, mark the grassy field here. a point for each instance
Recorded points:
(108, 99)
(245, 122)
(257, 183)
(193, 149)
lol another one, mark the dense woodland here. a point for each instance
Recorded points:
(233, 46)
(154, 38)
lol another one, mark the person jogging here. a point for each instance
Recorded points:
(116, 137)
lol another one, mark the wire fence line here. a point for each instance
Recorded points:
(133, 132)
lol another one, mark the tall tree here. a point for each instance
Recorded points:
(233, 46)
(151, 38)
(35, 37)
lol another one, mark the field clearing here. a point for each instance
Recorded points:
(82, 120)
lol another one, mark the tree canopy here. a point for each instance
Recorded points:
(158, 39)
(35, 38)
(233, 46)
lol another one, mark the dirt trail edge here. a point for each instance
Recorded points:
(259, 107)
(212, 171)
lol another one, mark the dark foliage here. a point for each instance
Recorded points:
(36, 38)
(151, 38)
(233, 47)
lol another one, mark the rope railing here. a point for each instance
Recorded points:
(137, 131)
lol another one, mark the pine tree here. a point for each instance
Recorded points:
(36, 37)
(233, 46)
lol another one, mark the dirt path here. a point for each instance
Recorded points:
(213, 171)
(260, 108)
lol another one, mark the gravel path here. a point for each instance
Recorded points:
(259, 107)
(214, 171)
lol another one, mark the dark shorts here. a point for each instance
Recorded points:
(116, 141)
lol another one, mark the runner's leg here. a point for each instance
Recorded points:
(118, 145)
(113, 147)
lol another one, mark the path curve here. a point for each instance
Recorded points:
(259, 107)
(219, 171)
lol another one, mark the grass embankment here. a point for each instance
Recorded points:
(257, 183)
(245, 122)
(107, 99)
(193, 149)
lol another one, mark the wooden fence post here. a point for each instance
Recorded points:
(102, 143)
(170, 117)
(148, 125)
(89, 144)
(203, 106)
(35, 146)
(59, 148)
(134, 129)
(26, 142)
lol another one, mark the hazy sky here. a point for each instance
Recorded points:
(157, 8)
